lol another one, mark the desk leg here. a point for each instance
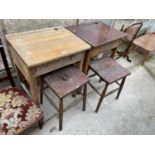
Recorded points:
(80, 66)
(87, 62)
(20, 76)
(33, 89)
(32, 82)
(113, 52)
(80, 63)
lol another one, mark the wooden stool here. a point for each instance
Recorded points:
(109, 71)
(63, 82)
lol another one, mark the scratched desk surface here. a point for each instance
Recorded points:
(96, 34)
(41, 46)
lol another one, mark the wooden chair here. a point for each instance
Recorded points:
(132, 31)
(63, 82)
(110, 72)
(17, 112)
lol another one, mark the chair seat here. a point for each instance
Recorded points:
(109, 70)
(65, 80)
(17, 112)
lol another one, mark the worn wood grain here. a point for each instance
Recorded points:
(100, 36)
(38, 52)
(96, 34)
(39, 47)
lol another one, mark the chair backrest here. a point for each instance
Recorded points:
(7, 69)
(132, 31)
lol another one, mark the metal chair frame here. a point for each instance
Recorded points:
(125, 53)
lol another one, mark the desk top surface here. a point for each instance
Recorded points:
(41, 46)
(96, 34)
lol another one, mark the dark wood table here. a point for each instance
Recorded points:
(100, 36)
(146, 42)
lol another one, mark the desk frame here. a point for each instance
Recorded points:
(94, 51)
(33, 74)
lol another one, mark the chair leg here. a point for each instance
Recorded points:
(146, 58)
(84, 97)
(60, 114)
(128, 59)
(41, 90)
(41, 123)
(124, 54)
(102, 97)
(120, 89)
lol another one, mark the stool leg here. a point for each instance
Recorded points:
(79, 91)
(100, 80)
(60, 114)
(41, 90)
(101, 98)
(74, 94)
(120, 89)
(84, 96)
